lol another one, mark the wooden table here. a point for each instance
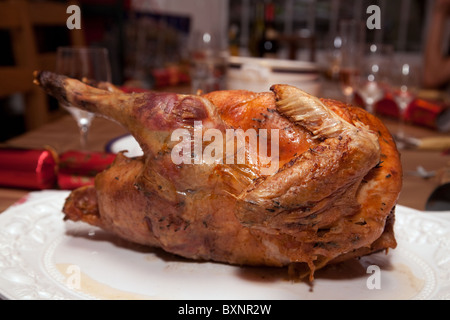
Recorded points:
(62, 135)
(416, 190)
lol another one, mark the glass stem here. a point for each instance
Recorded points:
(83, 136)
(349, 98)
(401, 122)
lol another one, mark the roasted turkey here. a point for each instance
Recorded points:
(331, 196)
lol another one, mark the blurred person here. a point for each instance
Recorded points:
(437, 63)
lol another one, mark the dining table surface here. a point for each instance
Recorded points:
(63, 135)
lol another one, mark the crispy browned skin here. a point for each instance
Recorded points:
(333, 197)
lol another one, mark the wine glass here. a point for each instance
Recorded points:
(83, 63)
(208, 62)
(404, 86)
(347, 79)
(352, 38)
(372, 79)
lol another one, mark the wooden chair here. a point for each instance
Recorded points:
(20, 17)
(53, 14)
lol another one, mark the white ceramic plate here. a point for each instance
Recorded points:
(44, 257)
(124, 143)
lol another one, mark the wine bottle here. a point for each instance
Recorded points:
(269, 43)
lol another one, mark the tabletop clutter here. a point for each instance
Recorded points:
(428, 113)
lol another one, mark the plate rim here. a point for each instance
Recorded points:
(110, 143)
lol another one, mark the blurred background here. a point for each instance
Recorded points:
(186, 45)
